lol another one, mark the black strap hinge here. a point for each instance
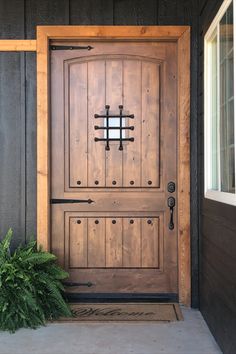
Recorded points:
(71, 201)
(72, 284)
(69, 47)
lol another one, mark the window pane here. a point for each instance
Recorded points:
(114, 133)
(214, 113)
(226, 119)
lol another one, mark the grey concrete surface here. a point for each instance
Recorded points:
(190, 336)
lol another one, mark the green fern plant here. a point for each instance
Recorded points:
(31, 290)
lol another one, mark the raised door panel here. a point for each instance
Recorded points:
(89, 86)
(110, 241)
(76, 125)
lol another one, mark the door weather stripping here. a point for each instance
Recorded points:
(70, 47)
(71, 201)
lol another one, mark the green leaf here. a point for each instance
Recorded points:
(30, 286)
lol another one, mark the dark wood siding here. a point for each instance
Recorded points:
(217, 232)
(18, 19)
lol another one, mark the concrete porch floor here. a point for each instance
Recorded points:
(190, 336)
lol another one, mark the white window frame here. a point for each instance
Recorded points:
(223, 197)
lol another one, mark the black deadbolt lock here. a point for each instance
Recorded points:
(171, 187)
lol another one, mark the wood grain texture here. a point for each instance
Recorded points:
(151, 124)
(184, 168)
(119, 33)
(41, 13)
(43, 168)
(17, 45)
(194, 159)
(96, 242)
(132, 159)
(114, 98)
(77, 111)
(116, 76)
(132, 242)
(96, 153)
(114, 230)
(125, 32)
(44, 12)
(150, 243)
(78, 244)
(87, 78)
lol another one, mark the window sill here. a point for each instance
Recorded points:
(221, 197)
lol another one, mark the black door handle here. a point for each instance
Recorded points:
(171, 205)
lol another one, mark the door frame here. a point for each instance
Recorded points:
(179, 34)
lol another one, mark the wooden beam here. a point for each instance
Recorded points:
(43, 152)
(184, 168)
(122, 32)
(12, 45)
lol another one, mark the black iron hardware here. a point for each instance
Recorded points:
(71, 201)
(78, 221)
(113, 139)
(70, 283)
(70, 47)
(171, 187)
(171, 205)
(96, 127)
(108, 127)
(149, 222)
(78, 182)
(149, 182)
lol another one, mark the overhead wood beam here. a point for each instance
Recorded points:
(17, 45)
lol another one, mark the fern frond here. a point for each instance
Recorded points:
(5, 246)
(30, 286)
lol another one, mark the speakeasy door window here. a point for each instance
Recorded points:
(219, 107)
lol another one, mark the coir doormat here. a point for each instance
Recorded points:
(127, 312)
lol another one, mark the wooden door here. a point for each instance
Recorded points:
(122, 241)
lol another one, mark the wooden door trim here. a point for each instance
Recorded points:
(18, 45)
(180, 34)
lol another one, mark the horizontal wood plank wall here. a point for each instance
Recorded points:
(217, 232)
(19, 20)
